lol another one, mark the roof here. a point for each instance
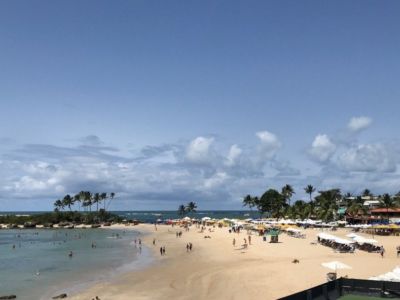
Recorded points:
(385, 210)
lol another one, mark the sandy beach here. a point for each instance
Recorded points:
(216, 269)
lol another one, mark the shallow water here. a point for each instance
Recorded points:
(39, 267)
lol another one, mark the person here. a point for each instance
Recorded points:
(190, 246)
(249, 239)
(70, 254)
(234, 242)
(154, 241)
(398, 250)
(140, 249)
(187, 247)
(161, 251)
(382, 251)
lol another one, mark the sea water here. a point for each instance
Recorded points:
(35, 263)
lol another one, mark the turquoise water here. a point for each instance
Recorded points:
(39, 267)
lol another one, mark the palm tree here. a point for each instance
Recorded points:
(68, 201)
(77, 199)
(103, 197)
(96, 200)
(181, 210)
(191, 207)
(309, 189)
(112, 195)
(367, 193)
(249, 202)
(58, 205)
(287, 192)
(388, 203)
(88, 200)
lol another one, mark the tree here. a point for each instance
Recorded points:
(326, 203)
(272, 202)
(181, 210)
(388, 203)
(112, 195)
(96, 200)
(103, 197)
(191, 207)
(77, 199)
(68, 201)
(309, 189)
(58, 205)
(88, 200)
(367, 193)
(287, 192)
(249, 202)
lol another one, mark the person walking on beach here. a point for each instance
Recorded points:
(154, 241)
(382, 251)
(187, 247)
(398, 250)
(234, 242)
(190, 247)
(161, 251)
(249, 239)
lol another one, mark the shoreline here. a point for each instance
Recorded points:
(145, 259)
(216, 269)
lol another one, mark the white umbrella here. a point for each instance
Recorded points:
(206, 219)
(335, 265)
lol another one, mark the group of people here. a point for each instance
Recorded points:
(189, 247)
(179, 234)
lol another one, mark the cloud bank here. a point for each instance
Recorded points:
(204, 169)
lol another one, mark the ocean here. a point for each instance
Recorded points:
(39, 267)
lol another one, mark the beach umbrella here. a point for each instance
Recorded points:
(206, 219)
(335, 265)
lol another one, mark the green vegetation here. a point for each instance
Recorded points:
(63, 211)
(188, 209)
(84, 199)
(61, 217)
(324, 206)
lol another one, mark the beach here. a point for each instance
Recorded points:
(215, 269)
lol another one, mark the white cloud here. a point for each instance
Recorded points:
(198, 150)
(269, 145)
(367, 158)
(233, 155)
(322, 148)
(216, 180)
(359, 123)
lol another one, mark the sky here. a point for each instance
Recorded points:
(166, 102)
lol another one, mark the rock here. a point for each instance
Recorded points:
(8, 297)
(61, 296)
(96, 226)
(29, 225)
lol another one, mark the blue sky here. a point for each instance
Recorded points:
(166, 102)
